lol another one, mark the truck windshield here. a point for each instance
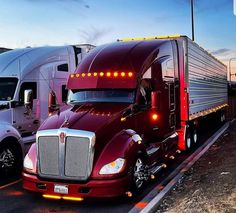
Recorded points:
(110, 95)
(7, 88)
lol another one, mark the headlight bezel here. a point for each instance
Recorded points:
(113, 168)
(28, 163)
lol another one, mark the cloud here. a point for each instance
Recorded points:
(222, 51)
(93, 35)
(81, 2)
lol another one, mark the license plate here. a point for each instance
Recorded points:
(61, 189)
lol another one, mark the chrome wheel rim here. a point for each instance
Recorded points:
(7, 159)
(195, 137)
(188, 142)
(138, 173)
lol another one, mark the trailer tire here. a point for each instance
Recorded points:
(10, 159)
(222, 117)
(195, 136)
(188, 139)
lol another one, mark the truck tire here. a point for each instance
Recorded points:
(222, 117)
(139, 174)
(195, 136)
(188, 139)
(10, 159)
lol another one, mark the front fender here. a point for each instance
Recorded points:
(7, 131)
(126, 144)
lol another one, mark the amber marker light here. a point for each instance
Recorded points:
(130, 74)
(115, 74)
(72, 75)
(83, 74)
(101, 74)
(129, 194)
(95, 74)
(122, 74)
(108, 74)
(72, 198)
(154, 116)
(89, 74)
(56, 197)
(77, 75)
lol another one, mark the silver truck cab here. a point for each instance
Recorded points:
(27, 76)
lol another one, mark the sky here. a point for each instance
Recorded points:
(58, 22)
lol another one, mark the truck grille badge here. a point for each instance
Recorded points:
(62, 137)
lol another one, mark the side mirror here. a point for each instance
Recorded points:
(155, 98)
(28, 98)
(52, 102)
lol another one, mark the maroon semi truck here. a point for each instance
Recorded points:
(134, 105)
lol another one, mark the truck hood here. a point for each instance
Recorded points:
(97, 118)
(4, 105)
(103, 119)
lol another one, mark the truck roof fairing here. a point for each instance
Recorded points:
(120, 57)
(20, 62)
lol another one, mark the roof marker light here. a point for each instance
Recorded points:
(130, 74)
(101, 74)
(95, 74)
(89, 74)
(115, 74)
(77, 75)
(83, 74)
(108, 74)
(72, 75)
(122, 74)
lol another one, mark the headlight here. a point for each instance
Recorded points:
(28, 164)
(113, 168)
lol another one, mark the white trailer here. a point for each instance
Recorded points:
(31, 72)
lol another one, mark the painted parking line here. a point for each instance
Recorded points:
(151, 201)
(10, 184)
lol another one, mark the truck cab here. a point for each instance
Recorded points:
(120, 127)
(27, 77)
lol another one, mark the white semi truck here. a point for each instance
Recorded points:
(27, 77)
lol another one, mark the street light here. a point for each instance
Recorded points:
(192, 16)
(230, 69)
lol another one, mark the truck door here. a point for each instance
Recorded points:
(144, 125)
(26, 121)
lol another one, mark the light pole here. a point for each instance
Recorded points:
(192, 16)
(230, 69)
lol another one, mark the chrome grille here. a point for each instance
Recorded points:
(76, 158)
(48, 155)
(65, 156)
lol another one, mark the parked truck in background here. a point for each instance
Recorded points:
(3, 49)
(134, 105)
(26, 78)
